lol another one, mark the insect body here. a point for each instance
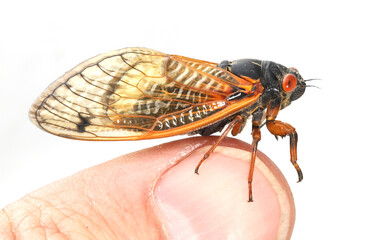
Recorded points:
(138, 93)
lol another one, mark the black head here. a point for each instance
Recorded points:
(281, 82)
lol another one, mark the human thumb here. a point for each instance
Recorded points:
(155, 194)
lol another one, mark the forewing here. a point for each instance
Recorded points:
(134, 93)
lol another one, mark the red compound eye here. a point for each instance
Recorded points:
(289, 82)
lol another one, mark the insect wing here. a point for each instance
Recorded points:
(137, 93)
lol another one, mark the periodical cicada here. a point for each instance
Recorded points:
(139, 93)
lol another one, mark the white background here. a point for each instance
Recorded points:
(339, 125)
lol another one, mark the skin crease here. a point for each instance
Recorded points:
(155, 194)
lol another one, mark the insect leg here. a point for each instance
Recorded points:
(237, 121)
(256, 136)
(282, 129)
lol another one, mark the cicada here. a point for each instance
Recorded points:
(139, 93)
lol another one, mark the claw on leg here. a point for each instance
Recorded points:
(204, 158)
(299, 172)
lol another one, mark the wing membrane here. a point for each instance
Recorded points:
(136, 93)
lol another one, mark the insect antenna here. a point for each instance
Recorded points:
(313, 79)
(313, 86)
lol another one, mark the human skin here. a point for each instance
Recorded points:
(155, 194)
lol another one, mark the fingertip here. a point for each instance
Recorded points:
(214, 204)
